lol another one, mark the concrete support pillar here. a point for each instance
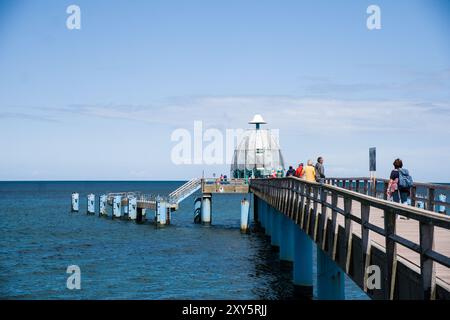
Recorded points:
(262, 212)
(286, 239)
(161, 212)
(91, 203)
(117, 207)
(102, 205)
(206, 208)
(269, 220)
(255, 209)
(132, 208)
(330, 278)
(303, 263)
(245, 212)
(276, 228)
(75, 202)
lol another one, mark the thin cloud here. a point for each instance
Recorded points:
(303, 115)
(25, 116)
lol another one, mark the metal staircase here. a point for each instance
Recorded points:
(185, 190)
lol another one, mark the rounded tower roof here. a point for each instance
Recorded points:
(258, 150)
(257, 119)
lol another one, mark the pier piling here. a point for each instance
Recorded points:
(102, 205)
(91, 203)
(262, 214)
(75, 201)
(161, 212)
(206, 208)
(255, 209)
(132, 206)
(303, 263)
(330, 278)
(245, 211)
(286, 239)
(268, 218)
(276, 228)
(117, 206)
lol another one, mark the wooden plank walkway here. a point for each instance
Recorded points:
(360, 230)
(408, 229)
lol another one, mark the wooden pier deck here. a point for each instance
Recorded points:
(408, 229)
(356, 231)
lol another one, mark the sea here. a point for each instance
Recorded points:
(118, 259)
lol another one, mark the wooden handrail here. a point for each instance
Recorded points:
(418, 184)
(428, 200)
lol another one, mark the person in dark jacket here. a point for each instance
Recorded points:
(320, 170)
(398, 193)
(290, 172)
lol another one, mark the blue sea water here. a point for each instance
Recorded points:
(118, 259)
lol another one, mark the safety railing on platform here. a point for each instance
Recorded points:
(218, 185)
(140, 197)
(308, 204)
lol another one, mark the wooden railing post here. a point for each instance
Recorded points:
(365, 239)
(288, 191)
(302, 205)
(323, 219)
(374, 187)
(332, 241)
(366, 183)
(385, 188)
(306, 214)
(413, 196)
(315, 213)
(390, 218)
(295, 202)
(430, 200)
(348, 232)
(427, 269)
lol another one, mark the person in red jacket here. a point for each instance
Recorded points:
(298, 172)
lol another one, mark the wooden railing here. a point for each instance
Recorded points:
(309, 204)
(425, 195)
(214, 185)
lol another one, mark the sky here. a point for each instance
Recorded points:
(102, 102)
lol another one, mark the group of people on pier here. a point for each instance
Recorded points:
(310, 172)
(399, 187)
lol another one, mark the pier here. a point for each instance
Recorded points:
(355, 234)
(390, 250)
(158, 209)
(349, 222)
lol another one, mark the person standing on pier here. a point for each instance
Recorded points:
(298, 172)
(273, 174)
(400, 183)
(290, 172)
(309, 172)
(320, 170)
